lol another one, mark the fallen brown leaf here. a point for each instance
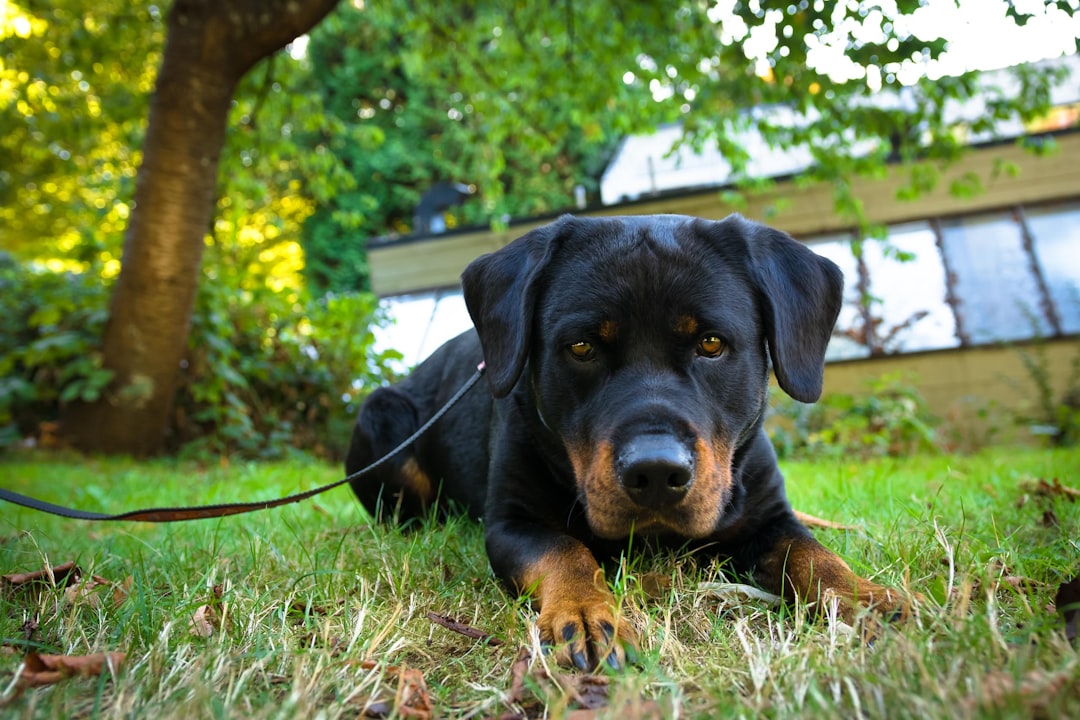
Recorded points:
(122, 591)
(654, 585)
(463, 629)
(1051, 488)
(1067, 602)
(811, 521)
(203, 622)
(588, 691)
(61, 575)
(412, 699)
(1049, 519)
(41, 670)
(518, 671)
(85, 591)
(1036, 687)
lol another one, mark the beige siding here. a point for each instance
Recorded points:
(958, 384)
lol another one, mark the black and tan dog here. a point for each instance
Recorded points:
(628, 368)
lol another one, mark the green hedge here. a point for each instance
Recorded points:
(267, 373)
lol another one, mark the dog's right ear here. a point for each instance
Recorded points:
(500, 292)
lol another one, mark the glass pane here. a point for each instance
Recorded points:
(998, 296)
(1057, 245)
(914, 314)
(420, 323)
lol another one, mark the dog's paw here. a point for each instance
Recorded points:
(587, 633)
(871, 607)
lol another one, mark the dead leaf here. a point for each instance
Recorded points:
(811, 521)
(122, 591)
(41, 670)
(518, 671)
(61, 575)
(204, 622)
(1036, 687)
(85, 591)
(655, 585)
(1052, 488)
(463, 629)
(412, 699)
(588, 691)
(1067, 602)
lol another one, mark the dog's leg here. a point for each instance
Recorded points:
(800, 566)
(578, 613)
(400, 489)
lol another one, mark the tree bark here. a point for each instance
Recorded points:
(210, 45)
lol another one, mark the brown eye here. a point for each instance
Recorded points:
(582, 351)
(711, 346)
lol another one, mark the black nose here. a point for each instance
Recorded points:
(655, 470)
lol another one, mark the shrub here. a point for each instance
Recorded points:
(1051, 415)
(267, 372)
(889, 419)
(50, 334)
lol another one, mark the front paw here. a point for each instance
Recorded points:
(851, 601)
(586, 632)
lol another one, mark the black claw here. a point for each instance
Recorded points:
(580, 660)
(613, 661)
(568, 632)
(631, 655)
(897, 616)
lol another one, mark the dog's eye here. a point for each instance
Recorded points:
(582, 351)
(711, 346)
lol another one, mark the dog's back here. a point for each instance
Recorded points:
(444, 465)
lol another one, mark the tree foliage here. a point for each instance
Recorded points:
(328, 148)
(407, 126)
(74, 83)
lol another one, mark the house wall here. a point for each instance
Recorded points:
(973, 389)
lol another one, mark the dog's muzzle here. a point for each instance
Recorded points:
(655, 470)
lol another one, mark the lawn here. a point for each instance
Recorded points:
(310, 611)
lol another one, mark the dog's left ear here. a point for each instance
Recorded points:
(801, 294)
(500, 292)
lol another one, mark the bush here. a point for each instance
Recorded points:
(1053, 416)
(50, 334)
(889, 419)
(267, 372)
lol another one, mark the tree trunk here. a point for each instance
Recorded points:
(210, 45)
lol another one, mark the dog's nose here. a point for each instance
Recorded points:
(656, 470)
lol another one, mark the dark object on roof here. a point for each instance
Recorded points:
(428, 217)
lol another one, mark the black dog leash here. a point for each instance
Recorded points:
(178, 514)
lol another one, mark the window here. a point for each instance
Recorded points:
(905, 285)
(1056, 234)
(997, 292)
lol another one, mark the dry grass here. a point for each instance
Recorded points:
(310, 612)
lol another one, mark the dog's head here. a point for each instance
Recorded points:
(642, 343)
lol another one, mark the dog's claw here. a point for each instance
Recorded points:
(585, 637)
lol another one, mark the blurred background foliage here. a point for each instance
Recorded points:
(334, 140)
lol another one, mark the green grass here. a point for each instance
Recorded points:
(305, 594)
